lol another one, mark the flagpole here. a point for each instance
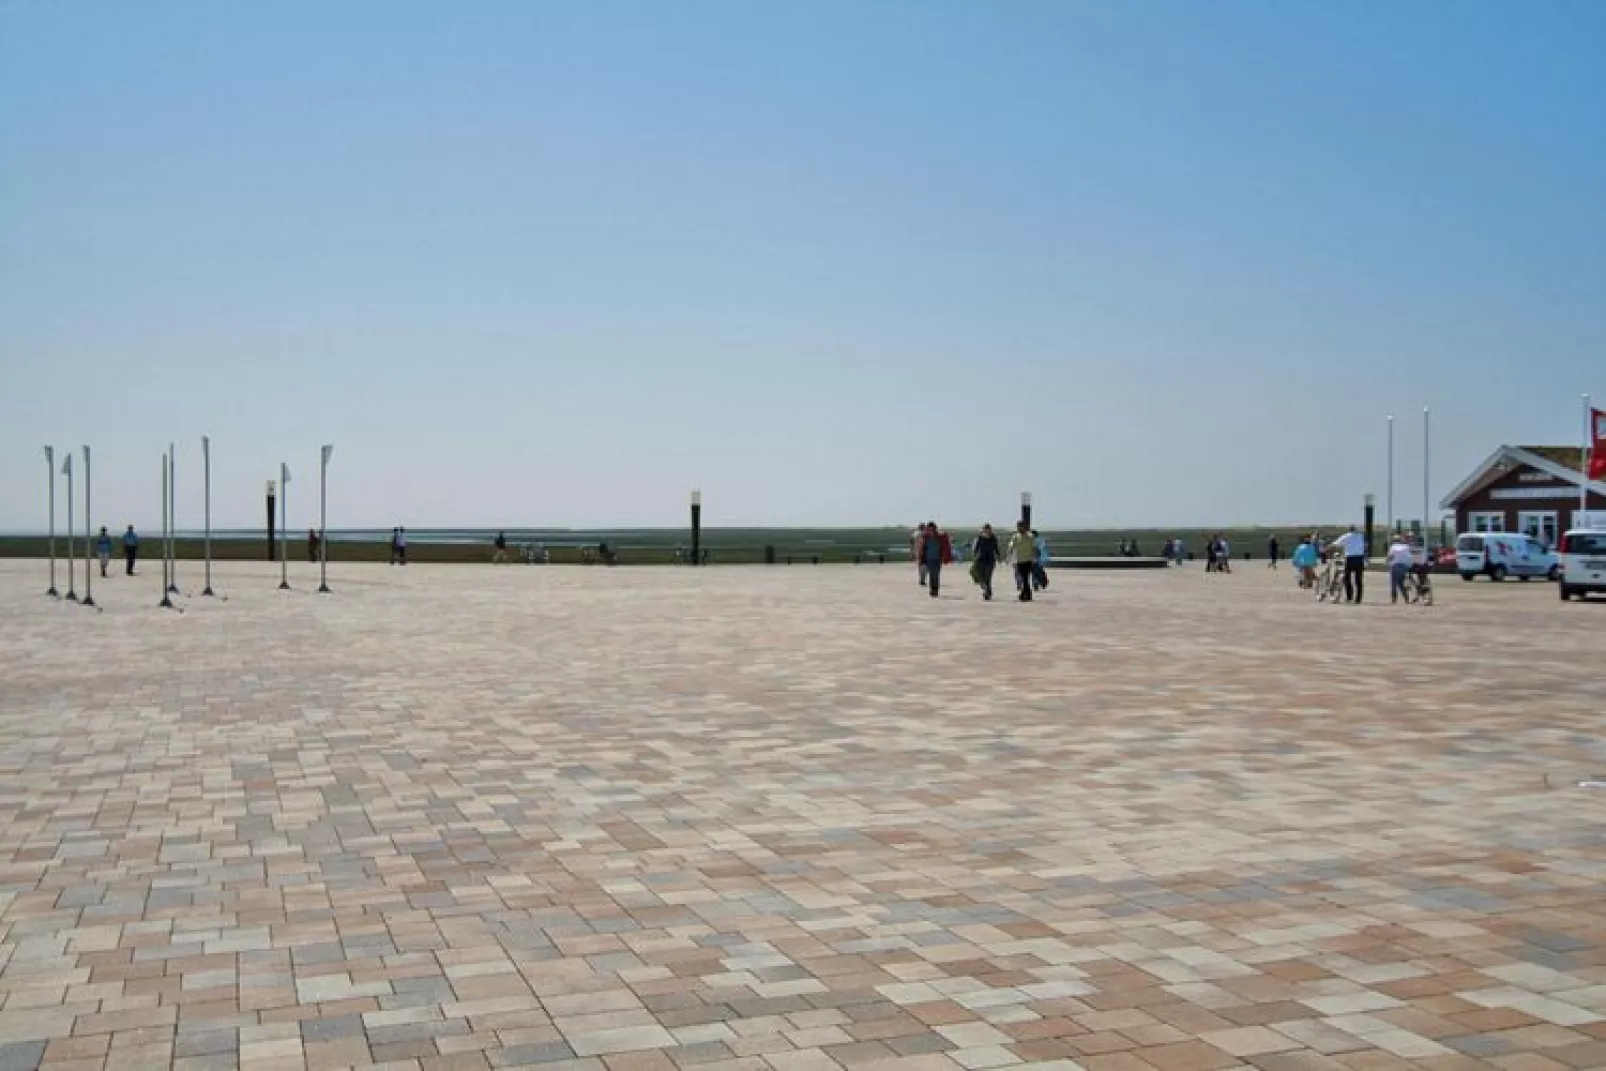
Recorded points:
(1426, 541)
(1391, 520)
(89, 579)
(284, 526)
(167, 472)
(323, 518)
(172, 518)
(1589, 442)
(72, 562)
(206, 491)
(50, 465)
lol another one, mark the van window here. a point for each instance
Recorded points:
(1470, 543)
(1585, 543)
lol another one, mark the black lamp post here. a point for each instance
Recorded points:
(167, 599)
(272, 519)
(172, 518)
(1026, 509)
(72, 561)
(284, 527)
(1371, 520)
(696, 527)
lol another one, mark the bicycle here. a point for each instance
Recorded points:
(1418, 587)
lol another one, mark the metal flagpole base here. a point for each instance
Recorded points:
(207, 592)
(284, 585)
(324, 589)
(89, 600)
(166, 603)
(172, 589)
(53, 593)
(71, 596)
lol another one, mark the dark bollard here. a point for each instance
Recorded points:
(769, 555)
(816, 559)
(883, 559)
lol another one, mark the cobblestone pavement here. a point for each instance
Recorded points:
(798, 818)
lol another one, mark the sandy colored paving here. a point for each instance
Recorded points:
(798, 818)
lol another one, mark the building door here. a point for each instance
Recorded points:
(1541, 524)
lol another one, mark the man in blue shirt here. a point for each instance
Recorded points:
(130, 549)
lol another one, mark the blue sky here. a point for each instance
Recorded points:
(834, 263)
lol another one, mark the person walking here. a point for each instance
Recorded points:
(935, 551)
(1352, 545)
(401, 546)
(1400, 561)
(499, 555)
(312, 545)
(1023, 552)
(103, 550)
(1039, 561)
(984, 552)
(130, 549)
(917, 542)
(1271, 552)
(1304, 562)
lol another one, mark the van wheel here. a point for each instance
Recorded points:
(1554, 574)
(1525, 578)
(1497, 574)
(1566, 593)
(1468, 577)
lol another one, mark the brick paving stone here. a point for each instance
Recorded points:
(796, 819)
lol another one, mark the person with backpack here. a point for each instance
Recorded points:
(1039, 561)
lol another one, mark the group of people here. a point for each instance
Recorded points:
(1401, 560)
(398, 546)
(1218, 554)
(103, 549)
(1027, 551)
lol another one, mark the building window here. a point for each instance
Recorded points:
(1541, 524)
(1487, 522)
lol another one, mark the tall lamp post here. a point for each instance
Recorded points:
(50, 470)
(72, 562)
(1371, 520)
(1026, 509)
(206, 507)
(89, 527)
(284, 527)
(323, 517)
(167, 589)
(696, 527)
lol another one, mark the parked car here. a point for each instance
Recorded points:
(1498, 555)
(1583, 563)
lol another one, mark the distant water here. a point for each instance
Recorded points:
(623, 538)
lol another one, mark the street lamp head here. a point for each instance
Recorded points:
(1026, 498)
(1371, 500)
(270, 488)
(328, 452)
(697, 498)
(50, 455)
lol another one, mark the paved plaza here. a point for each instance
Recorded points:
(795, 819)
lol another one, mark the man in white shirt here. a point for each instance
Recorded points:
(1400, 562)
(1352, 545)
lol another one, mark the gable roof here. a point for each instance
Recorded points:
(1563, 462)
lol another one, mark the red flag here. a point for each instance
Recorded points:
(1597, 456)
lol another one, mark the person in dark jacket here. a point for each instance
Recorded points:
(936, 551)
(985, 552)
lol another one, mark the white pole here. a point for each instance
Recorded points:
(323, 518)
(167, 475)
(1392, 518)
(172, 518)
(50, 467)
(1583, 475)
(284, 526)
(72, 564)
(206, 485)
(89, 527)
(1426, 498)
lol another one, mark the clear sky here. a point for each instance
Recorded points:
(531, 263)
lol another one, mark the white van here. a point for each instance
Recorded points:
(1583, 563)
(1498, 555)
